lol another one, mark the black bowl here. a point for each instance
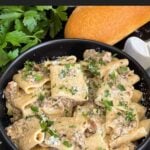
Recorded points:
(62, 47)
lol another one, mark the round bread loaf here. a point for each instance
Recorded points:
(108, 24)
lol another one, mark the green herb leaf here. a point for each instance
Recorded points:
(106, 93)
(16, 38)
(30, 19)
(62, 8)
(63, 73)
(101, 62)
(130, 116)
(13, 54)
(122, 103)
(53, 133)
(113, 75)
(68, 66)
(39, 34)
(37, 77)
(30, 22)
(35, 109)
(55, 24)
(8, 9)
(4, 59)
(42, 8)
(22, 27)
(30, 44)
(46, 124)
(3, 31)
(28, 68)
(18, 25)
(67, 143)
(28, 65)
(57, 15)
(93, 68)
(41, 97)
(107, 104)
(122, 69)
(73, 90)
(121, 87)
(11, 16)
(45, 127)
(61, 12)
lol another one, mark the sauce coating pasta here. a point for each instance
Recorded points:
(65, 104)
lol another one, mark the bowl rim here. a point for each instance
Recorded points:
(110, 47)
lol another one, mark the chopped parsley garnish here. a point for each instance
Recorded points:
(64, 72)
(122, 69)
(53, 133)
(121, 87)
(101, 62)
(41, 97)
(106, 93)
(107, 104)
(129, 115)
(35, 109)
(37, 77)
(73, 90)
(67, 143)
(45, 124)
(28, 65)
(28, 68)
(122, 103)
(68, 66)
(93, 67)
(113, 75)
(45, 127)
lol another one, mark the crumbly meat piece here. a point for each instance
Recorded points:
(17, 130)
(11, 90)
(93, 54)
(10, 93)
(57, 107)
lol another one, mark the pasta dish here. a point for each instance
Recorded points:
(70, 104)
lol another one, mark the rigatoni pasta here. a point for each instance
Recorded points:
(68, 81)
(67, 104)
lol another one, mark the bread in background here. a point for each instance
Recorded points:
(108, 24)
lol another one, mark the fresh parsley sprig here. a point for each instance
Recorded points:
(22, 27)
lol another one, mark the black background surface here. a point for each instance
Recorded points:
(75, 2)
